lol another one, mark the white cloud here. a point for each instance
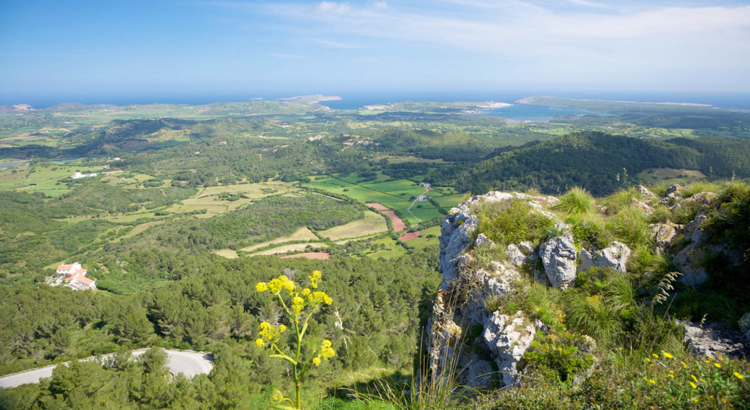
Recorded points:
(291, 56)
(335, 44)
(332, 7)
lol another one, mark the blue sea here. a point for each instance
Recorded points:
(355, 100)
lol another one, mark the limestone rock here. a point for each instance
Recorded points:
(515, 256)
(559, 259)
(674, 189)
(645, 192)
(614, 256)
(689, 259)
(526, 247)
(714, 339)
(483, 240)
(663, 233)
(508, 338)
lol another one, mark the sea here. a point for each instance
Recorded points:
(355, 100)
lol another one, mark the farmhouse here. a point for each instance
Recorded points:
(78, 175)
(421, 198)
(72, 276)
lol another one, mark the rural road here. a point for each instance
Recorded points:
(188, 363)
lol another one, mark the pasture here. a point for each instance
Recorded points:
(372, 223)
(670, 176)
(393, 194)
(302, 234)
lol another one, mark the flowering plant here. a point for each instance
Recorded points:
(304, 303)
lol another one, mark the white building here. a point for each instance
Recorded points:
(72, 276)
(78, 175)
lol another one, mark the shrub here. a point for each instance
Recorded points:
(577, 201)
(556, 355)
(590, 232)
(511, 221)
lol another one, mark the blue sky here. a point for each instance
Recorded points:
(78, 48)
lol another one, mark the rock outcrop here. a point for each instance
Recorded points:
(559, 258)
(614, 256)
(508, 338)
(460, 303)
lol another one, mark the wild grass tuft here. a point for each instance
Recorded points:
(577, 201)
(621, 199)
(512, 221)
(630, 225)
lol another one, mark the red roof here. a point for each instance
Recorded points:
(65, 267)
(85, 280)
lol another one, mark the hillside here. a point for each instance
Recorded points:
(599, 162)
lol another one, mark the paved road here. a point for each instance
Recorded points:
(187, 363)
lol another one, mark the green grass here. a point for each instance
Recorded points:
(393, 194)
(576, 201)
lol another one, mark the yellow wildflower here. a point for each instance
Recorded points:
(261, 287)
(718, 366)
(282, 328)
(739, 376)
(696, 399)
(652, 381)
(693, 385)
(314, 278)
(305, 292)
(316, 361)
(260, 343)
(298, 304)
(275, 286)
(694, 378)
(277, 396)
(667, 355)
(684, 365)
(655, 355)
(671, 375)
(648, 360)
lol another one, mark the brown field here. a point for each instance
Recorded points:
(309, 255)
(409, 236)
(398, 224)
(376, 206)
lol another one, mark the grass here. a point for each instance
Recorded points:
(511, 221)
(394, 194)
(295, 247)
(669, 176)
(372, 223)
(301, 234)
(631, 226)
(227, 253)
(576, 201)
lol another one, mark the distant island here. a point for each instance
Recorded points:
(312, 99)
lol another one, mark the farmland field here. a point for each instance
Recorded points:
(295, 247)
(670, 176)
(302, 234)
(394, 194)
(372, 223)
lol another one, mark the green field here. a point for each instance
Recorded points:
(670, 176)
(43, 178)
(394, 194)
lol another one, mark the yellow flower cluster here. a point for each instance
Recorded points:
(276, 285)
(326, 352)
(315, 278)
(269, 334)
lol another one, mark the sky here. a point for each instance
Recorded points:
(69, 49)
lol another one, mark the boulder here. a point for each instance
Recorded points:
(714, 339)
(674, 190)
(515, 256)
(508, 338)
(559, 259)
(614, 256)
